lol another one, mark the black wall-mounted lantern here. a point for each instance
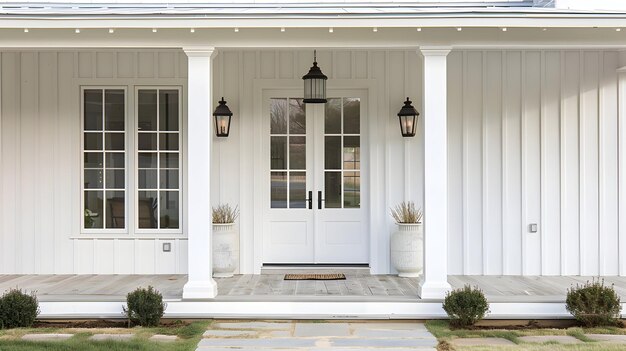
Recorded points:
(222, 116)
(314, 84)
(408, 119)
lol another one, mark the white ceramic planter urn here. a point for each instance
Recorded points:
(407, 249)
(225, 250)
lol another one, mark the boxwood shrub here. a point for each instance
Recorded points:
(594, 304)
(465, 306)
(18, 309)
(144, 307)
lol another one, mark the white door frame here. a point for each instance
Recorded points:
(261, 85)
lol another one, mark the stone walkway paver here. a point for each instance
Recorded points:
(317, 336)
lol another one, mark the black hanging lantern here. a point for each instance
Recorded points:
(315, 84)
(408, 119)
(222, 116)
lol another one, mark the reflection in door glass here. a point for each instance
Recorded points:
(332, 189)
(279, 189)
(297, 189)
(297, 117)
(342, 153)
(287, 153)
(332, 116)
(278, 113)
(351, 189)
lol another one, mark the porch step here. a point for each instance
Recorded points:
(322, 335)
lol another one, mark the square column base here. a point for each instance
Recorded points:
(198, 290)
(433, 289)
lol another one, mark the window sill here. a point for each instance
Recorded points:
(146, 236)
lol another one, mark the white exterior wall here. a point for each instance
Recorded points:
(533, 139)
(40, 162)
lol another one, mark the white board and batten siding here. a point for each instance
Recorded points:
(40, 162)
(533, 138)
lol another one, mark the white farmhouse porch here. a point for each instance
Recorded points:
(519, 162)
(360, 296)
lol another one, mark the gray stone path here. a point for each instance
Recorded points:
(317, 336)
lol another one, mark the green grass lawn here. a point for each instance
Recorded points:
(441, 330)
(189, 336)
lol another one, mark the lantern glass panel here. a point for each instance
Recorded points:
(222, 125)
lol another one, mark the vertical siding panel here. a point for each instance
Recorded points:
(621, 124)
(85, 62)
(570, 230)
(531, 167)
(492, 164)
(608, 165)
(125, 64)
(10, 159)
(360, 64)
(84, 258)
(589, 165)
(472, 162)
(395, 146)
(104, 251)
(229, 166)
(343, 64)
(511, 163)
(455, 162)
(124, 256)
(415, 148)
(166, 64)
(45, 227)
(29, 190)
(145, 64)
(65, 152)
(550, 165)
(246, 220)
(104, 64)
(268, 66)
(285, 68)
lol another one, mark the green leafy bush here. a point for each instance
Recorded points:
(594, 304)
(18, 309)
(465, 306)
(145, 307)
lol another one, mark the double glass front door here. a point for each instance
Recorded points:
(313, 213)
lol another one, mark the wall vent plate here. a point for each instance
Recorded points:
(167, 247)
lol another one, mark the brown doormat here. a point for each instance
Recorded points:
(314, 276)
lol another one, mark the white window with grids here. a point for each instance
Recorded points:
(158, 160)
(104, 195)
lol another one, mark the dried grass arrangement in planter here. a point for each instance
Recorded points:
(407, 243)
(225, 214)
(405, 212)
(225, 241)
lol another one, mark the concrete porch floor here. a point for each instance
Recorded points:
(270, 286)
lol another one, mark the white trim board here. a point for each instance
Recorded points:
(304, 310)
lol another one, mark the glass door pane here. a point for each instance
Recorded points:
(342, 153)
(287, 153)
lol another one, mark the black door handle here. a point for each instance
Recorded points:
(319, 200)
(310, 200)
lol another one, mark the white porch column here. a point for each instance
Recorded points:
(200, 284)
(434, 283)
